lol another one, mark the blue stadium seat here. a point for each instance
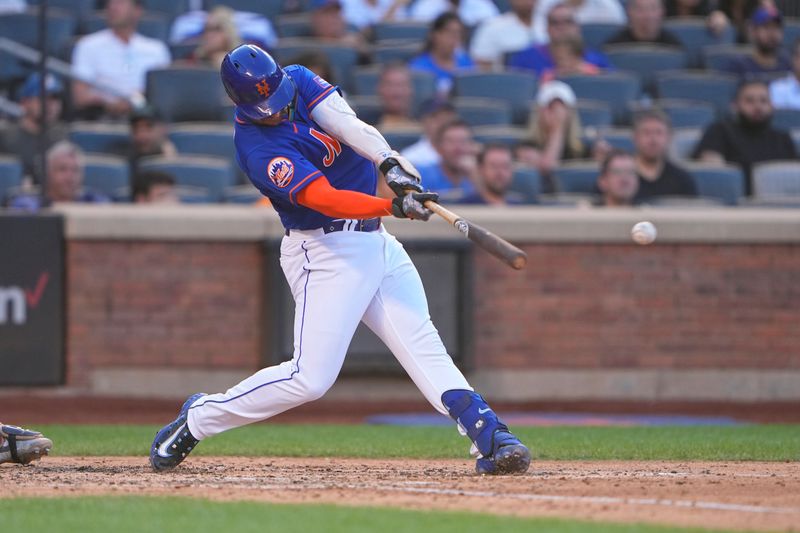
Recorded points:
(188, 194)
(342, 58)
(714, 88)
(393, 51)
(684, 141)
(24, 28)
(595, 35)
(528, 183)
(210, 173)
(182, 51)
(98, 137)
(368, 108)
(10, 176)
(107, 174)
(401, 138)
(725, 183)
(786, 119)
(210, 138)
(268, 8)
(80, 8)
(152, 24)
(577, 177)
(483, 111)
(791, 32)
(409, 31)
(687, 113)
(516, 88)
(621, 138)
(646, 60)
(616, 89)
(693, 34)
(187, 94)
(294, 25)
(171, 9)
(777, 179)
(242, 194)
(796, 138)
(594, 114)
(718, 58)
(507, 135)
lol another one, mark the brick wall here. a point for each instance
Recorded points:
(620, 306)
(162, 304)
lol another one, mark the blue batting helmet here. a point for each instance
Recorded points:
(256, 82)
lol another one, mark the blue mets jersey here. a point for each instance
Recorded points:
(282, 160)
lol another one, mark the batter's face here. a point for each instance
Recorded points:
(273, 120)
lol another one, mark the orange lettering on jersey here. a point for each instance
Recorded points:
(263, 88)
(332, 145)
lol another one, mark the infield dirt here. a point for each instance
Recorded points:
(742, 496)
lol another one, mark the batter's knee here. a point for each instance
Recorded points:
(314, 389)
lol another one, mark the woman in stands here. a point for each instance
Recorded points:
(219, 36)
(444, 53)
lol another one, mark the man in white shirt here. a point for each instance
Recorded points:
(586, 12)
(434, 115)
(471, 12)
(118, 58)
(509, 32)
(365, 13)
(785, 92)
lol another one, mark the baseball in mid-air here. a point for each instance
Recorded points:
(643, 233)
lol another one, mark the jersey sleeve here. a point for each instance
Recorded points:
(312, 88)
(281, 177)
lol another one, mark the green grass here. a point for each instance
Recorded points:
(138, 514)
(732, 443)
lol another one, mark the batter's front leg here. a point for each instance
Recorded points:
(398, 314)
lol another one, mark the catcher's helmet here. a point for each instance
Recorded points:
(256, 82)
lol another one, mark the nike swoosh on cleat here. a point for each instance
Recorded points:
(162, 450)
(482, 411)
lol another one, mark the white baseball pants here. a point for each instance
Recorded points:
(337, 280)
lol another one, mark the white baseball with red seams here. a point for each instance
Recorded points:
(338, 280)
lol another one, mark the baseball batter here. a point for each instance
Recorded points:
(302, 146)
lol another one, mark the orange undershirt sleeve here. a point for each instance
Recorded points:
(320, 196)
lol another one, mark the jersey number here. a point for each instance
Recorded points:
(333, 146)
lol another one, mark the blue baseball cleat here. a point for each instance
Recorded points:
(174, 441)
(500, 452)
(509, 456)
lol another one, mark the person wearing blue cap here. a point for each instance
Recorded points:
(768, 60)
(22, 138)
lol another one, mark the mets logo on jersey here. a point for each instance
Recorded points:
(281, 171)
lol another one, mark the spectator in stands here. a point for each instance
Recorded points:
(251, 27)
(454, 175)
(652, 133)
(396, 94)
(444, 54)
(585, 12)
(645, 25)
(63, 183)
(785, 92)
(117, 57)
(12, 6)
(555, 128)
(148, 136)
(435, 114)
(618, 182)
(568, 59)
(510, 32)
(318, 63)
(495, 173)
(219, 36)
(768, 60)
(328, 25)
(739, 13)
(716, 20)
(471, 12)
(153, 187)
(561, 25)
(363, 14)
(22, 138)
(748, 137)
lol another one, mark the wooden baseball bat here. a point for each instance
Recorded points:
(500, 248)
